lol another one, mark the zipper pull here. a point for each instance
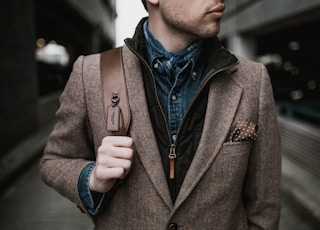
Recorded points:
(172, 156)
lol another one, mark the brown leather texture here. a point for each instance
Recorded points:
(114, 92)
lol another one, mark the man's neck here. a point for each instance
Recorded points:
(171, 40)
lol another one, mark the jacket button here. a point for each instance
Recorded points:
(173, 226)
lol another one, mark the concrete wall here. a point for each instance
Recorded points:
(245, 19)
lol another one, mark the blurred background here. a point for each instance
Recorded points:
(41, 39)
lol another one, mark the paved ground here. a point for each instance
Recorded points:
(30, 205)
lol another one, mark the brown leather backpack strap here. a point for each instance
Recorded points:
(114, 89)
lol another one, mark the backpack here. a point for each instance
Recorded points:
(114, 92)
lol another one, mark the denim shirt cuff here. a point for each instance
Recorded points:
(91, 200)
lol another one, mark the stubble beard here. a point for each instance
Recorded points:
(192, 29)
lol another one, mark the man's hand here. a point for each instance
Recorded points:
(114, 160)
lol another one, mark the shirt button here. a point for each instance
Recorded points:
(173, 226)
(174, 97)
(156, 65)
(174, 138)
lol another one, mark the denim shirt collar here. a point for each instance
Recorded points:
(168, 63)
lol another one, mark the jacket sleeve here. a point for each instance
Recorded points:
(69, 147)
(262, 188)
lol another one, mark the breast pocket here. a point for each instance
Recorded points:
(232, 148)
(230, 165)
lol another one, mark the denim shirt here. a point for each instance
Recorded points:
(177, 77)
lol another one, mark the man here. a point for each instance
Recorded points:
(202, 151)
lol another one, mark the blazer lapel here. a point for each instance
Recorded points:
(223, 101)
(141, 129)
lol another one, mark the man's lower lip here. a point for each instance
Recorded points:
(216, 14)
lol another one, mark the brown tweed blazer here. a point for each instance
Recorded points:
(229, 185)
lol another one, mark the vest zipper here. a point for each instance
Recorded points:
(172, 152)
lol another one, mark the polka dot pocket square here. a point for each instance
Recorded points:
(244, 131)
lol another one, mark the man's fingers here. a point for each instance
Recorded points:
(114, 160)
(119, 141)
(104, 153)
(114, 163)
(118, 147)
